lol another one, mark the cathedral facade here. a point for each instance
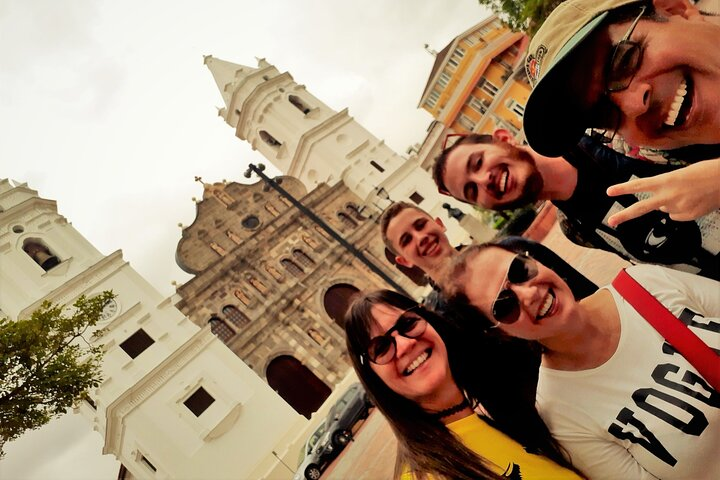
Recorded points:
(274, 285)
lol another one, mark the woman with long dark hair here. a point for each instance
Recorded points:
(429, 380)
(618, 398)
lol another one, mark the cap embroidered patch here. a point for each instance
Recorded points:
(533, 64)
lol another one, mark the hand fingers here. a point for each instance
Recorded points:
(633, 211)
(632, 186)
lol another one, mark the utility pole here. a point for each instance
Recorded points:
(319, 221)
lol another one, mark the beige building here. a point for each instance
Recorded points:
(274, 286)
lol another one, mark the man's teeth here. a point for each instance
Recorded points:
(547, 304)
(503, 181)
(416, 363)
(676, 104)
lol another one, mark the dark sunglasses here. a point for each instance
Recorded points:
(381, 349)
(623, 64)
(506, 307)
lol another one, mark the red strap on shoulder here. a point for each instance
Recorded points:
(695, 351)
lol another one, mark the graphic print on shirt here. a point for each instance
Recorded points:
(671, 403)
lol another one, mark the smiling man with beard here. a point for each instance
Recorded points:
(495, 173)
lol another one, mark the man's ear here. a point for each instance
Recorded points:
(440, 222)
(403, 261)
(676, 7)
(502, 135)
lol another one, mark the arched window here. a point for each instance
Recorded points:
(258, 285)
(235, 316)
(292, 267)
(286, 201)
(269, 139)
(346, 221)
(299, 104)
(243, 297)
(354, 211)
(337, 300)
(274, 272)
(221, 329)
(40, 253)
(303, 258)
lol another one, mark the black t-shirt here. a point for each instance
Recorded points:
(651, 238)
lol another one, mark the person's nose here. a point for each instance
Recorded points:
(528, 294)
(633, 101)
(402, 344)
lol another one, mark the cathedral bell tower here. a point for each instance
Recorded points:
(298, 133)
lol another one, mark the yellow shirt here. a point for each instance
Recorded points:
(507, 456)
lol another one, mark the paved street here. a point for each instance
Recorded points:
(372, 455)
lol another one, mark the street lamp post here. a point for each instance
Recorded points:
(320, 222)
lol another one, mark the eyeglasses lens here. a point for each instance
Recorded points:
(381, 349)
(506, 307)
(624, 65)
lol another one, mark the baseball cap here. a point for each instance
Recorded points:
(552, 122)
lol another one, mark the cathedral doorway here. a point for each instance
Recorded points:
(337, 300)
(296, 384)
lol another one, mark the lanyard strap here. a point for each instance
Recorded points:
(695, 351)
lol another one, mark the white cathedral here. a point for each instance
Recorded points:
(175, 401)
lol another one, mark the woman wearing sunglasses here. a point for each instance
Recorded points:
(620, 400)
(428, 380)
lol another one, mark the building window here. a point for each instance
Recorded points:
(477, 105)
(242, 296)
(250, 222)
(271, 208)
(346, 221)
(453, 62)
(515, 107)
(137, 343)
(377, 166)
(433, 98)
(91, 403)
(235, 316)
(199, 401)
(318, 337)
(147, 463)
(487, 87)
(299, 104)
(303, 258)
(354, 211)
(269, 139)
(459, 52)
(444, 79)
(40, 253)
(286, 201)
(466, 122)
(292, 267)
(221, 329)
(417, 198)
(258, 285)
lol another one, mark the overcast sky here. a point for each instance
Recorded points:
(107, 108)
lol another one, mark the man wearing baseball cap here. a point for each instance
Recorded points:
(646, 70)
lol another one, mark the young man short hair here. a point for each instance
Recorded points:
(501, 174)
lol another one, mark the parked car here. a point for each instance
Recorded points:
(333, 434)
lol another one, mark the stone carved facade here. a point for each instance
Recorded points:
(263, 271)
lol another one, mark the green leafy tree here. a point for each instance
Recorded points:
(522, 15)
(46, 364)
